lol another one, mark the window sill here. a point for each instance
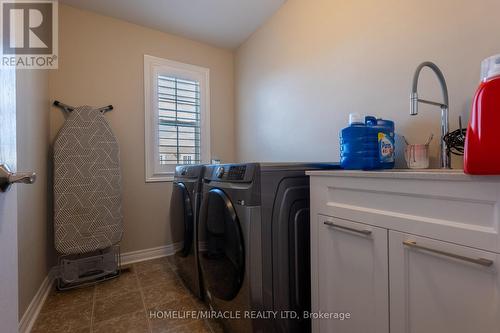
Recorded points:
(159, 179)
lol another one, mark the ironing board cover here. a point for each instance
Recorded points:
(87, 184)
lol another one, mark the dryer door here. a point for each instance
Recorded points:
(222, 257)
(181, 216)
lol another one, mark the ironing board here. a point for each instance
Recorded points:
(87, 184)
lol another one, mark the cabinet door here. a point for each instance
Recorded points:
(352, 276)
(439, 287)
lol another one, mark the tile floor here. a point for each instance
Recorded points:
(124, 304)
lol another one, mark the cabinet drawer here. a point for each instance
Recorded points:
(440, 287)
(462, 212)
(352, 277)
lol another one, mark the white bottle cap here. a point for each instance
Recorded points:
(356, 118)
(490, 67)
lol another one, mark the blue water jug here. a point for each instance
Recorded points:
(367, 144)
(358, 145)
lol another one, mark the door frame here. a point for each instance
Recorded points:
(9, 293)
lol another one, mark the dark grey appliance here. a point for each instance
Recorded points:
(255, 253)
(184, 209)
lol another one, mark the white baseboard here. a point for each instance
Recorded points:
(148, 254)
(31, 314)
(33, 310)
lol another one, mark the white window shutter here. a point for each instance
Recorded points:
(179, 124)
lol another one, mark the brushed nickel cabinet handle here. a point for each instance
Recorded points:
(359, 231)
(478, 261)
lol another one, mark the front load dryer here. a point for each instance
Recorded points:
(184, 204)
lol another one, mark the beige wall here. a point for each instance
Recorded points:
(32, 151)
(100, 63)
(313, 62)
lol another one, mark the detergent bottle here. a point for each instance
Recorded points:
(482, 143)
(386, 142)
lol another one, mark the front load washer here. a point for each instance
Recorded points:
(255, 244)
(184, 209)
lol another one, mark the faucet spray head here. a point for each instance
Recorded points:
(413, 104)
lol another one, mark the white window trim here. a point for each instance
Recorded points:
(153, 66)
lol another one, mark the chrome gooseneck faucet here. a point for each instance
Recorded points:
(445, 159)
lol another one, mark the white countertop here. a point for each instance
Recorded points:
(426, 174)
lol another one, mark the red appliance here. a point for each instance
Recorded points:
(482, 143)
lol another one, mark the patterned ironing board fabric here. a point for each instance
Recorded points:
(87, 184)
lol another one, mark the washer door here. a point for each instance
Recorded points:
(222, 257)
(182, 216)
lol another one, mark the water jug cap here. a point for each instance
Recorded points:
(490, 67)
(356, 118)
(371, 120)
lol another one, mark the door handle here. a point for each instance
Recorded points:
(8, 178)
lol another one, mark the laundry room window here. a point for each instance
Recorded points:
(177, 116)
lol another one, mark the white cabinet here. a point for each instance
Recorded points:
(441, 287)
(405, 252)
(352, 276)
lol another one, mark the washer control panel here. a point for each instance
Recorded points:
(236, 172)
(239, 173)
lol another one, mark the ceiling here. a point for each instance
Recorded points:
(223, 23)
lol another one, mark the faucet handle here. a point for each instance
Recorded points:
(413, 104)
